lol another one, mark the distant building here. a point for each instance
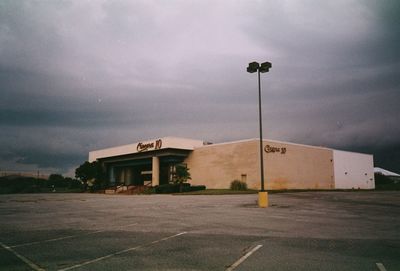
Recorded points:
(287, 165)
(389, 174)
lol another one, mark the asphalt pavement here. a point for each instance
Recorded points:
(299, 231)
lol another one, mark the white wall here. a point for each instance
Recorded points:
(353, 170)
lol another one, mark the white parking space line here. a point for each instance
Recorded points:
(65, 237)
(243, 258)
(22, 258)
(121, 252)
(381, 267)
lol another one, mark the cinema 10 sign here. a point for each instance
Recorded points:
(142, 147)
(272, 149)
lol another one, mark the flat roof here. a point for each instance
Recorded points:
(178, 143)
(264, 140)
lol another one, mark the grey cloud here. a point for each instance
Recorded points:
(85, 75)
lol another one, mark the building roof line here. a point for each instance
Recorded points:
(264, 140)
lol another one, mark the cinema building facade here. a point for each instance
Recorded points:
(287, 165)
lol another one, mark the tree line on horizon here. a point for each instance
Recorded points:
(23, 184)
(91, 177)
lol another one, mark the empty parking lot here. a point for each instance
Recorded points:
(300, 231)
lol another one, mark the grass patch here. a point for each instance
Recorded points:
(317, 190)
(218, 192)
(251, 191)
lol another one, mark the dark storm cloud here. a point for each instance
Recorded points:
(82, 75)
(343, 83)
(46, 159)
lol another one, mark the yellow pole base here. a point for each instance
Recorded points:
(263, 199)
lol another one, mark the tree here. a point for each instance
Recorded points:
(57, 180)
(90, 171)
(73, 183)
(182, 175)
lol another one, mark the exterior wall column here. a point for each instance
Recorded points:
(128, 176)
(112, 176)
(155, 171)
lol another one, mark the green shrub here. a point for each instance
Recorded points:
(197, 188)
(171, 188)
(182, 174)
(148, 191)
(177, 188)
(238, 185)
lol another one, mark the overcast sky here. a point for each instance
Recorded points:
(82, 75)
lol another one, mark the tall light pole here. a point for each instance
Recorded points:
(264, 67)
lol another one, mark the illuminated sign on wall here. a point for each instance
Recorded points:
(141, 147)
(269, 149)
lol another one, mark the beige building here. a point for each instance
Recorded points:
(287, 165)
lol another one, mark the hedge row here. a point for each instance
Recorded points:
(176, 188)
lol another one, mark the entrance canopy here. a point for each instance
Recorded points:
(139, 149)
(151, 161)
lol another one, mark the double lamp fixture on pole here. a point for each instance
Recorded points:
(252, 68)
